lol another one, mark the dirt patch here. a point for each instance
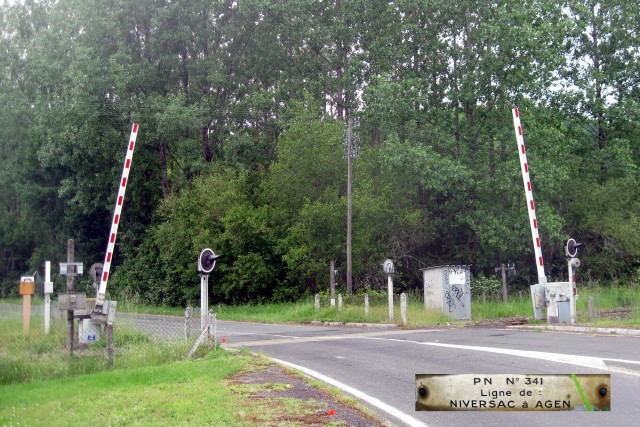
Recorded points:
(283, 398)
(505, 321)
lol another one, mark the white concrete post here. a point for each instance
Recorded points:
(390, 295)
(204, 300)
(332, 280)
(340, 302)
(403, 309)
(317, 302)
(48, 290)
(573, 263)
(366, 304)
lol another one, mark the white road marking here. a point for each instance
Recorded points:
(632, 362)
(255, 333)
(408, 419)
(587, 361)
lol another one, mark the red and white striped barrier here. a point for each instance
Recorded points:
(533, 221)
(116, 216)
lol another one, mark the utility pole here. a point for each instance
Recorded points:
(349, 202)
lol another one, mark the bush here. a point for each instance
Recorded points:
(482, 285)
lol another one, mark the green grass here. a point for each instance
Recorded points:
(152, 385)
(516, 307)
(36, 355)
(182, 393)
(304, 312)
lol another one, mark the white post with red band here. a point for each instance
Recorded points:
(116, 216)
(533, 221)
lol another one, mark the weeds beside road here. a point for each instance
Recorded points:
(152, 383)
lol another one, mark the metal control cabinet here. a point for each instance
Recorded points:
(88, 332)
(560, 292)
(448, 289)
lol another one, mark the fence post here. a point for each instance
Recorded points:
(403, 308)
(590, 309)
(340, 302)
(211, 329)
(366, 304)
(187, 322)
(108, 329)
(317, 302)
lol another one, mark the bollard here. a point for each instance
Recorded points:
(317, 302)
(403, 309)
(590, 309)
(366, 304)
(340, 302)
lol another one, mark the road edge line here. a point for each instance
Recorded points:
(406, 418)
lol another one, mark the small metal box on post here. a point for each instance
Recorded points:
(448, 289)
(27, 288)
(388, 268)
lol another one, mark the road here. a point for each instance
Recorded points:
(380, 366)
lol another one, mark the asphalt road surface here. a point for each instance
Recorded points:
(379, 366)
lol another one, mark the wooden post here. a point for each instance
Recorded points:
(70, 313)
(27, 288)
(26, 313)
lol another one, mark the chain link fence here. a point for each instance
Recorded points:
(157, 327)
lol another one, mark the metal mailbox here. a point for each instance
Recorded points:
(448, 289)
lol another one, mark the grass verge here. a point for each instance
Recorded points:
(181, 393)
(40, 356)
(42, 385)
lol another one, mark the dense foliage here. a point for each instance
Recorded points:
(243, 111)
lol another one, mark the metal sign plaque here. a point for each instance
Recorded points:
(457, 276)
(71, 269)
(503, 392)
